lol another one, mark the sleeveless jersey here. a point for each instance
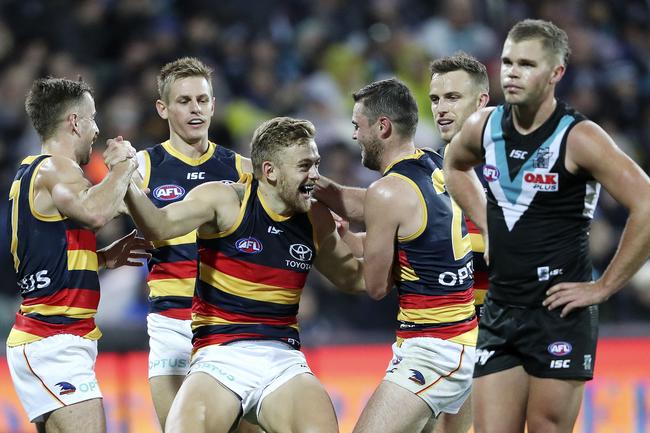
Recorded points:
(435, 263)
(170, 175)
(55, 260)
(252, 275)
(538, 213)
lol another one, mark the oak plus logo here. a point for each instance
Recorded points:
(545, 182)
(168, 192)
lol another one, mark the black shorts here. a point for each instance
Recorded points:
(546, 345)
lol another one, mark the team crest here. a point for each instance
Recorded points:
(541, 158)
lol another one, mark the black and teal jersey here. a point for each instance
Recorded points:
(538, 212)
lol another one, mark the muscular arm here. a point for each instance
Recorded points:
(335, 259)
(461, 156)
(75, 197)
(591, 150)
(344, 200)
(199, 207)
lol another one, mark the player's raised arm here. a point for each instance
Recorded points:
(75, 197)
(199, 207)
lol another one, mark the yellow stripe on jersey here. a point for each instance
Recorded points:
(448, 314)
(418, 153)
(238, 166)
(167, 145)
(461, 245)
(172, 287)
(468, 338)
(32, 207)
(270, 212)
(423, 205)
(189, 238)
(479, 296)
(247, 289)
(147, 170)
(14, 196)
(82, 260)
(17, 338)
(199, 320)
(242, 211)
(58, 310)
(407, 274)
(478, 246)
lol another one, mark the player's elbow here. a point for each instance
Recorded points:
(377, 292)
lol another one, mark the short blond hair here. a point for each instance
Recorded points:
(182, 68)
(553, 38)
(276, 134)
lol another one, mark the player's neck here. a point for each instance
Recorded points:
(191, 150)
(58, 147)
(271, 200)
(527, 118)
(395, 152)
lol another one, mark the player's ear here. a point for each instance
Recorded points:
(161, 108)
(269, 171)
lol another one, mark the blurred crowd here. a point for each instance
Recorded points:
(304, 58)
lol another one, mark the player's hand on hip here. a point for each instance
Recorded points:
(571, 296)
(119, 150)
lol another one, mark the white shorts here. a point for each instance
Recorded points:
(53, 372)
(438, 371)
(170, 345)
(251, 369)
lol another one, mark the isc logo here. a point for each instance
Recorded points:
(168, 192)
(560, 363)
(248, 245)
(196, 176)
(518, 154)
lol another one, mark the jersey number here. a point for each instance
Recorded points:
(459, 243)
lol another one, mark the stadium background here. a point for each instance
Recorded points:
(304, 58)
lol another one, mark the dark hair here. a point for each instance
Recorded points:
(48, 100)
(390, 98)
(462, 61)
(275, 134)
(553, 38)
(182, 68)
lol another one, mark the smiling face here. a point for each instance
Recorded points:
(371, 146)
(528, 71)
(297, 173)
(189, 109)
(454, 97)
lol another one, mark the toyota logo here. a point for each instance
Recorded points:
(300, 252)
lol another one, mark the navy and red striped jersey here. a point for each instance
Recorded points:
(55, 260)
(435, 272)
(251, 276)
(170, 175)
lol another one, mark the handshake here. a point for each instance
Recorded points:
(119, 151)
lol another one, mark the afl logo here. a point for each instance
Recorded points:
(559, 348)
(300, 252)
(491, 173)
(168, 192)
(249, 246)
